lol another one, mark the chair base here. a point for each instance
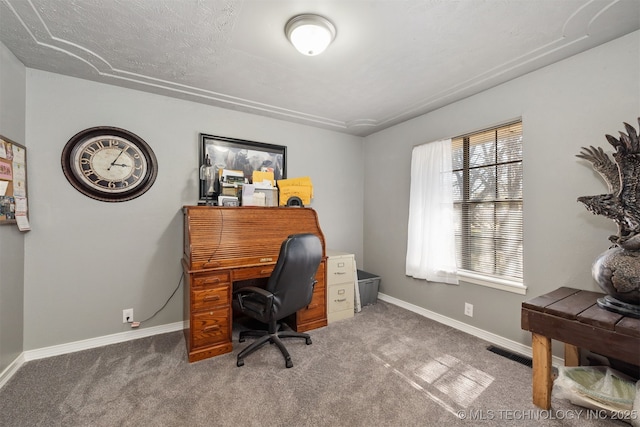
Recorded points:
(272, 338)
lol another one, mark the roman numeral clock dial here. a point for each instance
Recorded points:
(109, 164)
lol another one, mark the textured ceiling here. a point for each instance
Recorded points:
(391, 61)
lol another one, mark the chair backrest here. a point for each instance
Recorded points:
(294, 274)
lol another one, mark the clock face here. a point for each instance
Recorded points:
(109, 164)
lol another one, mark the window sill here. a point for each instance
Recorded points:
(491, 282)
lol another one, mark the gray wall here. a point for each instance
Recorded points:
(88, 260)
(563, 107)
(12, 253)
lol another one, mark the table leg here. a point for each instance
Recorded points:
(542, 381)
(571, 355)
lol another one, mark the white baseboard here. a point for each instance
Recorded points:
(11, 369)
(498, 340)
(133, 334)
(87, 344)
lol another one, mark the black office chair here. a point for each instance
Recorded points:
(289, 289)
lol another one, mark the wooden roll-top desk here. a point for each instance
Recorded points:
(227, 245)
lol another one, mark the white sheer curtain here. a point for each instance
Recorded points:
(431, 247)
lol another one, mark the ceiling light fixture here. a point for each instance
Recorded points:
(310, 34)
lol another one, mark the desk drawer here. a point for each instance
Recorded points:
(340, 270)
(210, 297)
(210, 279)
(253, 272)
(316, 308)
(210, 327)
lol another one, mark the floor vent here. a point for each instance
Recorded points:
(510, 355)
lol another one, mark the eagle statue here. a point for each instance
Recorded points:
(617, 270)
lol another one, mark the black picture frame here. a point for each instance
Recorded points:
(240, 154)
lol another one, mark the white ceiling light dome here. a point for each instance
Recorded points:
(310, 34)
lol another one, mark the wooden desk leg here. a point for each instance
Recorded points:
(571, 355)
(542, 381)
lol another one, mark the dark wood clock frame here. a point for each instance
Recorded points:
(69, 165)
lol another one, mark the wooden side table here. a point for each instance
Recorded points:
(573, 317)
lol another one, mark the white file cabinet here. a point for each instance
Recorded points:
(341, 276)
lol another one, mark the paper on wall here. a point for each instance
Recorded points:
(18, 155)
(23, 222)
(19, 179)
(21, 205)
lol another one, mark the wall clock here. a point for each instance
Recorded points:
(109, 164)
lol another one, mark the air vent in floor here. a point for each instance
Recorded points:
(510, 355)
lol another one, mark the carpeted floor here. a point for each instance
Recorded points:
(385, 367)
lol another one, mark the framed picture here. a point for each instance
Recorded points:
(241, 155)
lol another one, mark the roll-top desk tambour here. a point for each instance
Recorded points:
(223, 245)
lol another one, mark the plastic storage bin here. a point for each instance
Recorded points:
(368, 285)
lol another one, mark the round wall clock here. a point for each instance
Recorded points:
(109, 164)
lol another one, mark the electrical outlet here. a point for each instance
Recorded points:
(127, 315)
(468, 309)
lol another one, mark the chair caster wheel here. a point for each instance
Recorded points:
(289, 363)
(308, 341)
(240, 362)
(241, 339)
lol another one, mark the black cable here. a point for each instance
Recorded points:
(167, 302)
(219, 238)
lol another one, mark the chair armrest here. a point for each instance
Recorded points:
(263, 295)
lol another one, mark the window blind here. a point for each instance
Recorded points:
(487, 191)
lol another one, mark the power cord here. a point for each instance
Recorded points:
(219, 238)
(137, 324)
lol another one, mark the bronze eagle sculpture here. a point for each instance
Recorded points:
(622, 177)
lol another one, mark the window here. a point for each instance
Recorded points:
(487, 194)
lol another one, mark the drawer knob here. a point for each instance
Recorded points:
(211, 328)
(340, 272)
(211, 298)
(340, 300)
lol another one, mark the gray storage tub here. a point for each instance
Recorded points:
(368, 285)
